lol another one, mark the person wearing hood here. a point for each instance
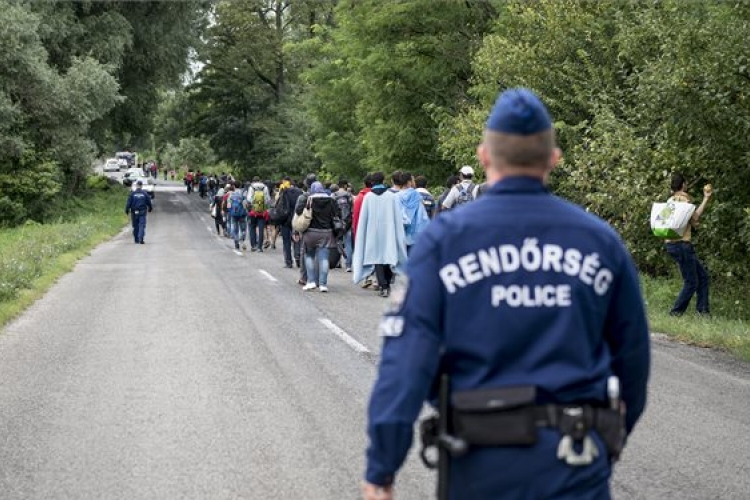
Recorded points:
(318, 237)
(381, 242)
(415, 215)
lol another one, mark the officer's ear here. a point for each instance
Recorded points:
(483, 155)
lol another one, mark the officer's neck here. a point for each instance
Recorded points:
(495, 175)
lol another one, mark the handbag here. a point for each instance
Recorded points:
(301, 222)
(213, 210)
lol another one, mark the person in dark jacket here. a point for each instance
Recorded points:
(319, 237)
(288, 198)
(139, 202)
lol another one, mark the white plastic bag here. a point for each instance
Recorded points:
(670, 220)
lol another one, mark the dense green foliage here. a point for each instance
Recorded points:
(342, 87)
(77, 78)
(639, 90)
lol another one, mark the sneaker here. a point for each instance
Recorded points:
(348, 269)
(301, 282)
(244, 246)
(323, 288)
(288, 266)
(367, 284)
(253, 249)
(385, 292)
(309, 286)
(266, 244)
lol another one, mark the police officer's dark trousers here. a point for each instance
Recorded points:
(528, 473)
(138, 218)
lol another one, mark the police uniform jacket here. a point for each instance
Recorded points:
(516, 288)
(138, 201)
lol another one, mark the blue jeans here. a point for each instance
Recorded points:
(348, 248)
(694, 278)
(321, 254)
(239, 226)
(257, 231)
(139, 225)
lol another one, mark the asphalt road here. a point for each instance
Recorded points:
(180, 369)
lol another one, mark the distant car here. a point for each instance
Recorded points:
(131, 175)
(112, 165)
(148, 184)
(123, 162)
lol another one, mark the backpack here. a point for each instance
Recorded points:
(258, 201)
(345, 202)
(236, 205)
(203, 181)
(429, 204)
(465, 194)
(280, 212)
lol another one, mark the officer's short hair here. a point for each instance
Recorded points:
(421, 181)
(520, 150)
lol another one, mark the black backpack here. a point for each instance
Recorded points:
(345, 203)
(279, 213)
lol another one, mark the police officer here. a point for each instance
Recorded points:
(524, 294)
(138, 203)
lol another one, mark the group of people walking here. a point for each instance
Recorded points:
(326, 225)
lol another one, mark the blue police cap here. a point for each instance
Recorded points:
(139, 183)
(519, 112)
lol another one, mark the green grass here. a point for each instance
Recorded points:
(727, 329)
(34, 256)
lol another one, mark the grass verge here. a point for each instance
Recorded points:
(34, 256)
(728, 329)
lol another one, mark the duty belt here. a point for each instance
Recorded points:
(519, 426)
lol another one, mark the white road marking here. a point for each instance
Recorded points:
(344, 336)
(267, 275)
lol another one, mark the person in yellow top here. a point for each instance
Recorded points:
(694, 274)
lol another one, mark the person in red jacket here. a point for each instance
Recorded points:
(357, 206)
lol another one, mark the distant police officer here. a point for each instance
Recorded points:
(138, 203)
(532, 308)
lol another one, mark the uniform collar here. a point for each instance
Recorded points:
(519, 184)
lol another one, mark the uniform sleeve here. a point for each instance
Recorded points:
(408, 365)
(149, 202)
(627, 334)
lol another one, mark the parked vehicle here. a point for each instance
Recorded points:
(112, 165)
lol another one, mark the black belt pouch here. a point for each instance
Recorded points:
(610, 424)
(495, 417)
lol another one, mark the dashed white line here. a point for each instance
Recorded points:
(350, 341)
(267, 275)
